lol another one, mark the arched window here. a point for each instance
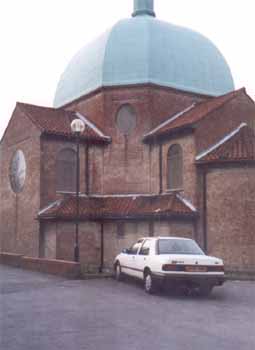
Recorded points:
(175, 167)
(66, 171)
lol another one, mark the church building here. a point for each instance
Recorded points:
(168, 150)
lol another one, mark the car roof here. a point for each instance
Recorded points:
(166, 237)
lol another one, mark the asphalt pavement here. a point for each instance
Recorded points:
(50, 313)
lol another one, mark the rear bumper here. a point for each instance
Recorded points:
(212, 280)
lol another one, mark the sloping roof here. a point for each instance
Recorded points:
(239, 145)
(120, 207)
(191, 115)
(57, 122)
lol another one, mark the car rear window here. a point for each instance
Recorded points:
(178, 246)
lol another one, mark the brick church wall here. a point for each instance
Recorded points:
(124, 166)
(50, 149)
(59, 240)
(231, 216)
(19, 229)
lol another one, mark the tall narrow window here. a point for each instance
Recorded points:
(66, 171)
(175, 167)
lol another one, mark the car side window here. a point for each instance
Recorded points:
(135, 247)
(145, 250)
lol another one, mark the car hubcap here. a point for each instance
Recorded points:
(148, 282)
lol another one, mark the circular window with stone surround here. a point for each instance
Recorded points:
(18, 171)
(126, 119)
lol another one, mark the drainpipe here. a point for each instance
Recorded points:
(160, 169)
(102, 248)
(205, 210)
(87, 169)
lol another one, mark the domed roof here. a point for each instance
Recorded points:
(143, 49)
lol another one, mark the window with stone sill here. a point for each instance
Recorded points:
(66, 171)
(175, 168)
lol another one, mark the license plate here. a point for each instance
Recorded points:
(196, 269)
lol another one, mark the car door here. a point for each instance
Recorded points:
(142, 258)
(129, 265)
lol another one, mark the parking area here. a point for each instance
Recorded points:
(48, 313)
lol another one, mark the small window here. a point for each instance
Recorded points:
(175, 167)
(66, 171)
(145, 250)
(134, 249)
(126, 119)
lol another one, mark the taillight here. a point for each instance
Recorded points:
(169, 267)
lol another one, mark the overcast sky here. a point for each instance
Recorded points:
(39, 37)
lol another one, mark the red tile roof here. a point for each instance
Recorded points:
(57, 122)
(191, 115)
(239, 145)
(120, 207)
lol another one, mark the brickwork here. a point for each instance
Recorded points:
(124, 165)
(67, 269)
(19, 229)
(59, 239)
(231, 219)
(127, 165)
(50, 150)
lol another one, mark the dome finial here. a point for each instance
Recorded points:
(143, 7)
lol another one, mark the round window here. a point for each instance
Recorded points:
(126, 119)
(18, 171)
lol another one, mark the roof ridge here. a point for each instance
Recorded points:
(230, 95)
(37, 106)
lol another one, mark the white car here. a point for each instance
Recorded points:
(170, 260)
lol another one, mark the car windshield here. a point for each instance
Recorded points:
(178, 246)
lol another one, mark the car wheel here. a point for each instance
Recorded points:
(149, 283)
(205, 290)
(118, 273)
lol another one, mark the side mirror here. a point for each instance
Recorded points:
(125, 251)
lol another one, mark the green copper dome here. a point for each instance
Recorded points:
(143, 49)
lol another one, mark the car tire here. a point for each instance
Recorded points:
(205, 290)
(150, 286)
(118, 273)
